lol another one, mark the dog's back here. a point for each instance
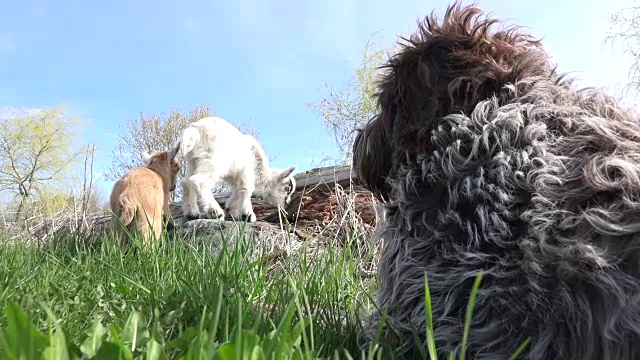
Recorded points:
(492, 162)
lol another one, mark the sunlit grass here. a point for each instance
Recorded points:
(180, 301)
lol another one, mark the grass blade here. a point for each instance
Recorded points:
(470, 306)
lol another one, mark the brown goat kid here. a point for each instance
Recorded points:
(140, 198)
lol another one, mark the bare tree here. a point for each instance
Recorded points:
(625, 30)
(154, 132)
(36, 149)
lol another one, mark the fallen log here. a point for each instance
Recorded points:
(321, 195)
(315, 197)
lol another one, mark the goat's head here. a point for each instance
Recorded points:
(165, 164)
(280, 186)
(447, 67)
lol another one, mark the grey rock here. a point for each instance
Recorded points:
(256, 239)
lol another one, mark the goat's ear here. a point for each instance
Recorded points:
(146, 157)
(288, 171)
(174, 150)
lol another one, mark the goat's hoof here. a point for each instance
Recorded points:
(214, 215)
(190, 217)
(248, 217)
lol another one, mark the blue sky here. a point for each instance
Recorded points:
(253, 61)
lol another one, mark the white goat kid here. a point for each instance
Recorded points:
(215, 150)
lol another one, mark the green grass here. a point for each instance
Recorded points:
(177, 301)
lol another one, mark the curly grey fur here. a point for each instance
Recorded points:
(488, 160)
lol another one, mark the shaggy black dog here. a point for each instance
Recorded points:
(489, 160)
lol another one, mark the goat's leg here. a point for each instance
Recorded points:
(119, 231)
(202, 185)
(157, 227)
(145, 226)
(230, 202)
(190, 209)
(167, 216)
(211, 208)
(240, 207)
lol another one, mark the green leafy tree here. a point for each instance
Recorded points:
(345, 108)
(155, 132)
(36, 151)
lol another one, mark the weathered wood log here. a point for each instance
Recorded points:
(313, 199)
(316, 199)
